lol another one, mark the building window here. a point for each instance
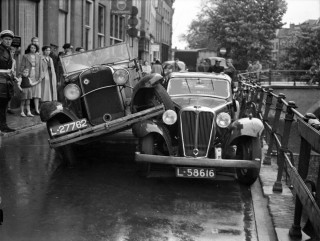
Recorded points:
(88, 25)
(63, 21)
(63, 5)
(101, 25)
(117, 33)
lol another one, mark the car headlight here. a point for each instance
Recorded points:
(72, 91)
(121, 76)
(169, 117)
(223, 120)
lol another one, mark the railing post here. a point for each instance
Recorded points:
(277, 187)
(270, 76)
(279, 105)
(303, 167)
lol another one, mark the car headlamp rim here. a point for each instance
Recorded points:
(169, 117)
(72, 91)
(223, 119)
(121, 76)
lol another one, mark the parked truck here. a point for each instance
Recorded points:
(192, 57)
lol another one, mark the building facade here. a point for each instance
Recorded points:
(90, 24)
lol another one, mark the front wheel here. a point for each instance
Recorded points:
(67, 154)
(248, 149)
(146, 146)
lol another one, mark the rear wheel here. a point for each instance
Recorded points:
(248, 149)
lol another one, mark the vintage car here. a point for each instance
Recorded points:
(181, 64)
(200, 135)
(97, 90)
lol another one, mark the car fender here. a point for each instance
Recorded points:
(49, 110)
(146, 127)
(246, 127)
(149, 81)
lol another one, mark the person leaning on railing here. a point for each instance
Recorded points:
(313, 72)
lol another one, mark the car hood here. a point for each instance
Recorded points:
(209, 102)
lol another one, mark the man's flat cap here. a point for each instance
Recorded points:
(67, 46)
(6, 33)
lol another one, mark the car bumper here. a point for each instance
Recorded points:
(197, 162)
(106, 128)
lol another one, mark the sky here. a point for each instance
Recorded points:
(298, 11)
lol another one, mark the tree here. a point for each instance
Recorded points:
(244, 27)
(304, 51)
(196, 36)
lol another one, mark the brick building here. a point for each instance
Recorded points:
(90, 24)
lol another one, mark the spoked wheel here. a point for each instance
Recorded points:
(153, 145)
(248, 149)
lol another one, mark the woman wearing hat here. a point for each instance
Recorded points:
(6, 77)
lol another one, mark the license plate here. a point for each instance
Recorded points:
(68, 127)
(195, 172)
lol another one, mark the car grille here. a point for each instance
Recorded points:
(196, 127)
(98, 100)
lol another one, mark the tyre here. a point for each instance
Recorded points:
(248, 149)
(145, 98)
(152, 144)
(67, 154)
(146, 146)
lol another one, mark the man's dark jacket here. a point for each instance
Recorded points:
(6, 80)
(216, 69)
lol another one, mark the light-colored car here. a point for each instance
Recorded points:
(181, 64)
(213, 60)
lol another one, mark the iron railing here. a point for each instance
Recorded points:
(257, 100)
(283, 77)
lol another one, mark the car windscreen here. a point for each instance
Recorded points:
(199, 86)
(81, 61)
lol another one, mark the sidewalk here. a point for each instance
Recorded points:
(280, 205)
(21, 124)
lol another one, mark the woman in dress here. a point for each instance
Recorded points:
(31, 61)
(48, 75)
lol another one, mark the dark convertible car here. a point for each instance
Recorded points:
(97, 90)
(200, 135)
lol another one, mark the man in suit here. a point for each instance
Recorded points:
(216, 68)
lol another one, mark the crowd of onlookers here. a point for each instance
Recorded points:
(36, 79)
(39, 75)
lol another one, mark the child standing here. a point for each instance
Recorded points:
(25, 84)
